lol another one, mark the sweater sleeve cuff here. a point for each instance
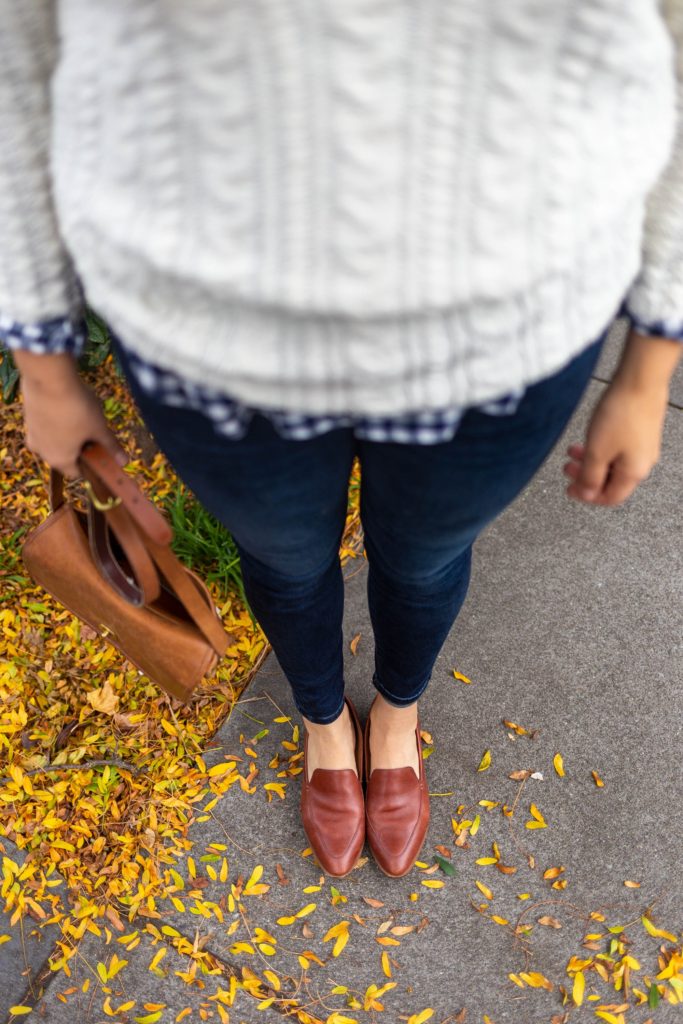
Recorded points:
(59, 334)
(655, 328)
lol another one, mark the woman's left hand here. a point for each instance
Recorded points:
(624, 436)
(623, 443)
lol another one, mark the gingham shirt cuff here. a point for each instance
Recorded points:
(60, 334)
(656, 328)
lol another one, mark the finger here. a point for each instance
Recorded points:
(592, 477)
(571, 469)
(576, 451)
(69, 471)
(114, 448)
(120, 454)
(66, 466)
(620, 485)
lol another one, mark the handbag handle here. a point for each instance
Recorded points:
(136, 516)
(144, 586)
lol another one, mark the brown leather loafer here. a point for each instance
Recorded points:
(396, 811)
(333, 809)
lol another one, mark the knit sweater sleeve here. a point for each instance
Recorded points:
(38, 284)
(654, 303)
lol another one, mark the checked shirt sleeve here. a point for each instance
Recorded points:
(60, 334)
(38, 285)
(654, 303)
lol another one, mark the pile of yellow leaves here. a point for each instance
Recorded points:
(102, 775)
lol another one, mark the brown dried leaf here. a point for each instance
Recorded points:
(551, 922)
(26, 740)
(281, 876)
(112, 915)
(372, 903)
(104, 699)
(64, 733)
(353, 646)
(122, 721)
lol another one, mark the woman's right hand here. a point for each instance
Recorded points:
(61, 412)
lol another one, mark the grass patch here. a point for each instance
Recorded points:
(202, 543)
(12, 566)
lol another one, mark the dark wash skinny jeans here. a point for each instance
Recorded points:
(422, 506)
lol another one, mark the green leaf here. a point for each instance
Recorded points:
(445, 865)
(9, 376)
(98, 344)
(653, 996)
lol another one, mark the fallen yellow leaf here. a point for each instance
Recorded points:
(104, 699)
(460, 676)
(579, 987)
(485, 761)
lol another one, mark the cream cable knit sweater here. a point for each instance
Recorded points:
(364, 206)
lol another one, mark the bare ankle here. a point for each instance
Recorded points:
(330, 730)
(393, 717)
(331, 744)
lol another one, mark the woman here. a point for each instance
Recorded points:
(395, 230)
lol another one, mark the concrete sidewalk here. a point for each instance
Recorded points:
(573, 630)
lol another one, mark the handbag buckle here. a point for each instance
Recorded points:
(101, 506)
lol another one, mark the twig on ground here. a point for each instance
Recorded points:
(112, 763)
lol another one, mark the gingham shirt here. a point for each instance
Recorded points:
(231, 418)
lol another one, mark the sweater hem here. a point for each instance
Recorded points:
(388, 365)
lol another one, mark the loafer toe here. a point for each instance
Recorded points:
(397, 811)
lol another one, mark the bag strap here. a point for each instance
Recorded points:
(101, 467)
(136, 512)
(144, 586)
(191, 596)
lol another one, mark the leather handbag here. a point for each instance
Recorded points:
(113, 567)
